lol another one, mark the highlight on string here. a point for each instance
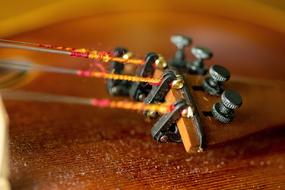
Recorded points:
(103, 56)
(152, 81)
(28, 66)
(101, 103)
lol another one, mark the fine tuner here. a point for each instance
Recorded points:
(175, 87)
(187, 101)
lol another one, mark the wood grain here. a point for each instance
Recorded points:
(263, 102)
(56, 146)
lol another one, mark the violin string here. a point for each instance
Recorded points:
(22, 45)
(152, 81)
(101, 103)
(81, 52)
(26, 66)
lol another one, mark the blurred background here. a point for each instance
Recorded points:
(242, 33)
(20, 16)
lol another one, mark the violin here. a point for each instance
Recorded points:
(232, 130)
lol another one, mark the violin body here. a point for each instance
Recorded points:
(58, 146)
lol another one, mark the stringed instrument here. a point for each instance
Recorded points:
(55, 145)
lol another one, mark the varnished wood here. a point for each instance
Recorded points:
(263, 102)
(55, 146)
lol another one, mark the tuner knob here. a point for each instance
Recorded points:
(180, 42)
(201, 54)
(213, 84)
(118, 87)
(224, 110)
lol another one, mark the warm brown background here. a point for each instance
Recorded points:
(64, 146)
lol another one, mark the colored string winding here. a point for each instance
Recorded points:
(136, 106)
(101, 103)
(102, 56)
(28, 66)
(152, 81)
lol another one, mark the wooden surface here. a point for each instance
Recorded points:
(254, 116)
(56, 146)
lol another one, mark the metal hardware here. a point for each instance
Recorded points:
(213, 84)
(158, 93)
(181, 42)
(165, 127)
(201, 54)
(224, 110)
(139, 91)
(118, 87)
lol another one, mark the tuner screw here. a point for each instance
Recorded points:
(163, 139)
(151, 114)
(160, 63)
(114, 90)
(178, 83)
(181, 42)
(213, 84)
(201, 54)
(224, 110)
(127, 55)
(141, 97)
(187, 112)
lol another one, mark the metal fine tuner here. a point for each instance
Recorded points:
(200, 95)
